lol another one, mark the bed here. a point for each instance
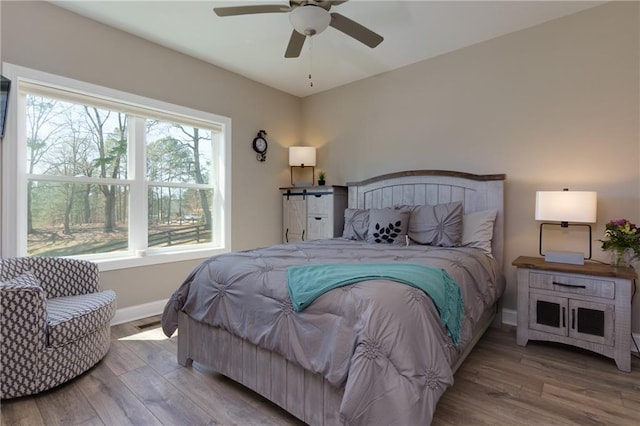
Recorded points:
(374, 352)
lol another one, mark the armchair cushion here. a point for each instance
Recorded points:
(70, 318)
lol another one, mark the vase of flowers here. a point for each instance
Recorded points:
(622, 239)
(621, 257)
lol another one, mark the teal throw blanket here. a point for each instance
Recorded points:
(306, 283)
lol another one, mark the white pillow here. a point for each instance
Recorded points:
(477, 229)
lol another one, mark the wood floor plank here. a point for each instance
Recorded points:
(144, 345)
(631, 400)
(123, 330)
(227, 401)
(140, 382)
(477, 410)
(498, 365)
(524, 405)
(606, 376)
(167, 403)
(602, 412)
(113, 400)
(20, 412)
(120, 359)
(500, 408)
(66, 405)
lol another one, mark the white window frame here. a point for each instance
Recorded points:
(14, 176)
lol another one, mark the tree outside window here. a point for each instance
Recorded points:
(78, 179)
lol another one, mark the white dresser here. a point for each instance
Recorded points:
(313, 212)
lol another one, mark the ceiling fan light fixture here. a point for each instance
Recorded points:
(309, 19)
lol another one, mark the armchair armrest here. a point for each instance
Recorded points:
(23, 316)
(23, 309)
(58, 276)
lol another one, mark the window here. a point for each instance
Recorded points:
(106, 175)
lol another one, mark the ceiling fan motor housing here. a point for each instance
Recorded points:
(309, 19)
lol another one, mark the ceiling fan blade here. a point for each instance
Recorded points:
(248, 10)
(295, 45)
(355, 30)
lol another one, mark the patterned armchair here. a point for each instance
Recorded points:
(54, 322)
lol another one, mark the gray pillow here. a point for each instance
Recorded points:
(356, 224)
(388, 226)
(477, 230)
(439, 225)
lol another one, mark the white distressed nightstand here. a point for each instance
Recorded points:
(588, 306)
(310, 213)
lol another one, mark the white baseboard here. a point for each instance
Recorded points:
(510, 317)
(137, 312)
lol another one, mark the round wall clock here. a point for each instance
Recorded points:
(260, 145)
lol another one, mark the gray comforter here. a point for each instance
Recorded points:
(383, 341)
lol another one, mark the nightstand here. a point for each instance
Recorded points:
(588, 306)
(311, 213)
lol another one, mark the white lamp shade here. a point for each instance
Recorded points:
(309, 20)
(302, 156)
(567, 206)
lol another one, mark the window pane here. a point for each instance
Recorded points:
(65, 219)
(67, 139)
(76, 175)
(179, 216)
(178, 153)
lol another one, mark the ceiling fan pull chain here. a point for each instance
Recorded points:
(310, 60)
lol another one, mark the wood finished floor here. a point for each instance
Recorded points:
(140, 383)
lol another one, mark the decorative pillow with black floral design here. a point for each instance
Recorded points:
(388, 226)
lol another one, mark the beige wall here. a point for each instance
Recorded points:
(47, 38)
(552, 106)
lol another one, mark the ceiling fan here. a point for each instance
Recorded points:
(308, 17)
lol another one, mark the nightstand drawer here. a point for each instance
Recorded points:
(319, 227)
(318, 205)
(573, 284)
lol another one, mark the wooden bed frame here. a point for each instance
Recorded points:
(308, 395)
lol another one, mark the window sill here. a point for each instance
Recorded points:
(133, 261)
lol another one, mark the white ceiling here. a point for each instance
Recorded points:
(254, 45)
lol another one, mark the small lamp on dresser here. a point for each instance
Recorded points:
(302, 156)
(576, 207)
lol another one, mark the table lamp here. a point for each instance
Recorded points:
(302, 156)
(576, 207)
